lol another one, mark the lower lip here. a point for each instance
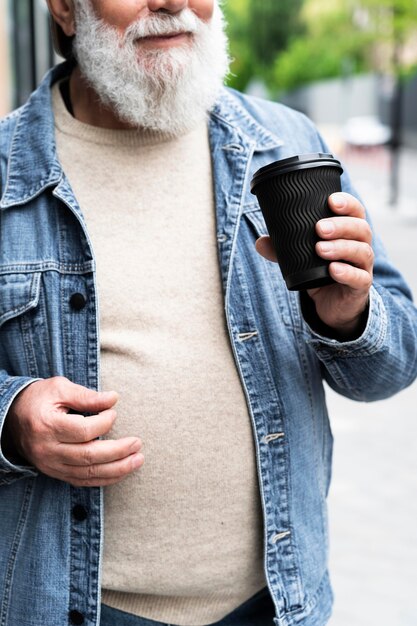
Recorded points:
(162, 41)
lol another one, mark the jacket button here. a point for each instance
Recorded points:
(78, 301)
(76, 617)
(79, 512)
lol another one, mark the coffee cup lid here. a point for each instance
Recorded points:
(300, 162)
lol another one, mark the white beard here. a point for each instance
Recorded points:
(169, 90)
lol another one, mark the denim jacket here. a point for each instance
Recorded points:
(50, 554)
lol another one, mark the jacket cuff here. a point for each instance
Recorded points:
(370, 341)
(11, 387)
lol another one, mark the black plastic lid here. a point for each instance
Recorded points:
(300, 162)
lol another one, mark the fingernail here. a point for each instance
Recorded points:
(327, 227)
(338, 269)
(138, 460)
(338, 200)
(325, 246)
(109, 393)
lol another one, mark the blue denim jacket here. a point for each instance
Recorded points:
(50, 557)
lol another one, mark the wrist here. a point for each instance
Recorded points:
(341, 331)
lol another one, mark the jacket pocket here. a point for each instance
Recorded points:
(19, 304)
(19, 293)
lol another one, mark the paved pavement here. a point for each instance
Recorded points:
(373, 499)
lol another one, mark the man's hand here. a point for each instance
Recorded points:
(64, 445)
(345, 242)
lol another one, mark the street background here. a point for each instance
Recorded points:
(373, 497)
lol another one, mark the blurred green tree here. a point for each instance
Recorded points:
(259, 30)
(288, 43)
(238, 29)
(332, 45)
(394, 27)
(274, 23)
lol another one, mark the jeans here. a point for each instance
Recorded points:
(257, 611)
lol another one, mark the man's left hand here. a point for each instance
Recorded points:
(345, 241)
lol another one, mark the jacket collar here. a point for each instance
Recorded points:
(230, 111)
(33, 162)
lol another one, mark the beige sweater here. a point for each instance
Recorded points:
(183, 535)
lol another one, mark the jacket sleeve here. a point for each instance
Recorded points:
(10, 387)
(383, 359)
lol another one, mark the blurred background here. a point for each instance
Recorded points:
(351, 65)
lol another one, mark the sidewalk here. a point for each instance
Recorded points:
(373, 498)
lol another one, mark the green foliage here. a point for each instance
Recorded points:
(331, 46)
(274, 22)
(258, 32)
(237, 17)
(394, 25)
(287, 43)
(308, 60)
(236, 13)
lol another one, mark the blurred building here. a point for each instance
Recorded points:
(26, 50)
(5, 84)
(335, 101)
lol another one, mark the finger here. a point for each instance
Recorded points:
(345, 204)
(69, 428)
(358, 253)
(95, 483)
(265, 248)
(352, 277)
(353, 228)
(98, 451)
(103, 482)
(81, 398)
(104, 471)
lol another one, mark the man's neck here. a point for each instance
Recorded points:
(88, 108)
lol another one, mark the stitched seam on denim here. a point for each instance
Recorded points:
(42, 266)
(9, 150)
(27, 334)
(13, 552)
(312, 602)
(250, 207)
(13, 477)
(11, 116)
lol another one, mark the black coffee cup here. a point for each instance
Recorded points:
(293, 195)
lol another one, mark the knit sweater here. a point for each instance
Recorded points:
(182, 535)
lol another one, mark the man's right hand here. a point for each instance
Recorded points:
(64, 445)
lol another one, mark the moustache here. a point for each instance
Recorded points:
(164, 24)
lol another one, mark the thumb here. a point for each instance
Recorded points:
(265, 248)
(86, 400)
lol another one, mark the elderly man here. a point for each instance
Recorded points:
(128, 264)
